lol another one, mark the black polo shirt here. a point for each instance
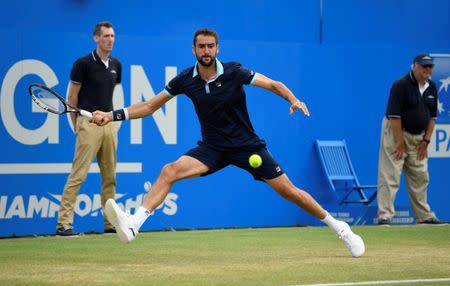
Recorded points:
(220, 105)
(97, 81)
(415, 110)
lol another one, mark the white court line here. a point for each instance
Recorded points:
(61, 168)
(380, 282)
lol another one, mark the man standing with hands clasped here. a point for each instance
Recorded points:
(92, 82)
(406, 133)
(228, 137)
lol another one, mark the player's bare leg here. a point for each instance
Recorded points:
(290, 192)
(127, 226)
(184, 167)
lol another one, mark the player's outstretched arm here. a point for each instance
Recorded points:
(148, 107)
(282, 90)
(138, 110)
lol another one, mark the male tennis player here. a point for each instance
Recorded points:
(228, 137)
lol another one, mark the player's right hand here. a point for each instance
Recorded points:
(101, 118)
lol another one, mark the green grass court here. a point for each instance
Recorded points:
(263, 256)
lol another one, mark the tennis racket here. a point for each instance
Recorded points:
(52, 102)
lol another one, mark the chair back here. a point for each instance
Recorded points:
(336, 163)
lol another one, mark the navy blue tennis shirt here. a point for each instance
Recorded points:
(406, 102)
(220, 104)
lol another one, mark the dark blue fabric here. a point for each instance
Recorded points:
(217, 160)
(221, 107)
(415, 110)
(97, 81)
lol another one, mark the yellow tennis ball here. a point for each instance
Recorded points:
(255, 160)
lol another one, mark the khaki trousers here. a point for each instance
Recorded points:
(389, 171)
(92, 141)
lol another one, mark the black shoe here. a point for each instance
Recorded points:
(384, 221)
(110, 230)
(66, 231)
(431, 221)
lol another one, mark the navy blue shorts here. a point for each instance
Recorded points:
(216, 160)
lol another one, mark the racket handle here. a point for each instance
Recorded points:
(86, 113)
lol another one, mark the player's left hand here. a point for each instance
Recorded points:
(299, 105)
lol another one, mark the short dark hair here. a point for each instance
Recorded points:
(206, 32)
(99, 25)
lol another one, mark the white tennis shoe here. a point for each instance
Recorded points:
(354, 242)
(122, 221)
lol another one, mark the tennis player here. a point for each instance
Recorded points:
(228, 137)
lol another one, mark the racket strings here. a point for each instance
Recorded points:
(49, 100)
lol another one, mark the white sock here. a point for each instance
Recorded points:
(333, 223)
(140, 216)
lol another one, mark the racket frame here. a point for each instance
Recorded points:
(67, 106)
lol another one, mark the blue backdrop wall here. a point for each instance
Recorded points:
(340, 57)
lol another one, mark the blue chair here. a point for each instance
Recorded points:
(341, 176)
